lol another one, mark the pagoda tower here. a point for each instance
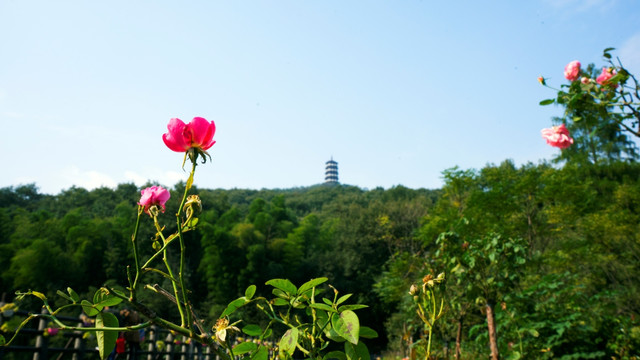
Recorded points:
(331, 172)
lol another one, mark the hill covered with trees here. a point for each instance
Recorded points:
(553, 251)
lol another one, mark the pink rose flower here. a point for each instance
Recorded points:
(52, 331)
(572, 70)
(154, 195)
(585, 80)
(196, 134)
(557, 136)
(605, 76)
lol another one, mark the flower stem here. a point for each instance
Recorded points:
(182, 247)
(135, 255)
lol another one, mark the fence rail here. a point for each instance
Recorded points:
(159, 344)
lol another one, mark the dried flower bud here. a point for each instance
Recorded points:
(413, 290)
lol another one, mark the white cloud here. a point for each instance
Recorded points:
(167, 178)
(629, 54)
(88, 179)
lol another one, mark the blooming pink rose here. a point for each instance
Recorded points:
(572, 70)
(557, 136)
(154, 195)
(197, 134)
(605, 76)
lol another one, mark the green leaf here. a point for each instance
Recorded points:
(261, 354)
(327, 301)
(352, 307)
(339, 355)
(252, 330)
(368, 333)
(547, 102)
(311, 284)
(2, 340)
(89, 309)
(284, 285)
(233, 306)
(608, 49)
(289, 341)
(607, 55)
(356, 352)
(244, 348)
(280, 302)
(189, 182)
(64, 296)
(343, 298)
(102, 298)
(347, 325)
(73, 294)
(106, 339)
(324, 307)
(251, 290)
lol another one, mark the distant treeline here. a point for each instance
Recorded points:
(579, 224)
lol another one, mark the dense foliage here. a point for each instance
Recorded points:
(552, 252)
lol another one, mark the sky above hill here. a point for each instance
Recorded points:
(395, 91)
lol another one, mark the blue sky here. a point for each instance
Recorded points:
(395, 91)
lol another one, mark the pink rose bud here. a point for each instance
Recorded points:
(572, 70)
(196, 134)
(541, 80)
(154, 195)
(52, 331)
(557, 136)
(605, 76)
(585, 80)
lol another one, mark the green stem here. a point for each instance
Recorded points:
(182, 247)
(166, 263)
(132, 291)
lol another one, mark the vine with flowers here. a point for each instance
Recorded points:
(310, 321)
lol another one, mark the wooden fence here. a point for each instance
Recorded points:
(158, 344)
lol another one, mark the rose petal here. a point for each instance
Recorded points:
(175, 138)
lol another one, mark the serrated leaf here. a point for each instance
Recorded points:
(368, 333)
(347, 325)
(251, 290)
(252, 330)
(284, 285)
(233, 306)
(547, 102)
(311, 284)
(324, 307)
(289, 341)
(339, 355)
(74, 296)
(244, 348)
(88, 308)
(106, 339)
